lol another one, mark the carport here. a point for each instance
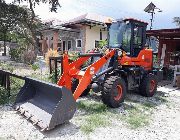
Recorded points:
(169, 45)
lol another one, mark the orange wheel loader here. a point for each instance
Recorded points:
(126, 65)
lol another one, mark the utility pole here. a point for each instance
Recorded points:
(151, 8)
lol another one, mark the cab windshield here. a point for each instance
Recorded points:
(120, 35)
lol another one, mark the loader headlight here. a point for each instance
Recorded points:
(120, 53)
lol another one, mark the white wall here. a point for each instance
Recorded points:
(92, 35)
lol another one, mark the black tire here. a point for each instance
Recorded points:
(75, 83)
(110, 95)
(148, 86)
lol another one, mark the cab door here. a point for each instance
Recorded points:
(137, 40)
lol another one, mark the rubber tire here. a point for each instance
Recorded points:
(145, 84)
(110, 85)
(75, 83)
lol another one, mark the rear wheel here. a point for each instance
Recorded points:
(75, 83)
(148, 85)
(114, 91)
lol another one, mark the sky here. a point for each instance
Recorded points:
(114, 8)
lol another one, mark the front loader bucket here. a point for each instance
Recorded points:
(46, 105)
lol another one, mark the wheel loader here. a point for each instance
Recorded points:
(126, 65)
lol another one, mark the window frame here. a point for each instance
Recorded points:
(67, 47)
(63, 45)
(77, 43)
(95, 43)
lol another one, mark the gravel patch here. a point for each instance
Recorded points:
(165, 123)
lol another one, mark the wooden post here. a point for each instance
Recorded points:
(55, 40)
(55, 61)
(5, 81)
(8, 87)
(61, 65)
(50, 66)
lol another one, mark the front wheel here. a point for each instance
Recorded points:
(148, 86)
(114, 91)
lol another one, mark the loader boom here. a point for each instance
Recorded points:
(72, 70)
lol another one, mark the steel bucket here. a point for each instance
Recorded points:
(46, 105)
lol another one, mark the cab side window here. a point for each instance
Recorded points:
(137, 40)
(127, 39)
(138, 36)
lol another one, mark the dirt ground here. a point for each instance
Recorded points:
(164, 123)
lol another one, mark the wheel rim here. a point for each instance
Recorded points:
(152, 86)
(119, 93)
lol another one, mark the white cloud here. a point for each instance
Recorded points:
(68, 10)
(114, 8)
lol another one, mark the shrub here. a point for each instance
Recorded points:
(102, 43)
(29, 57)
(73, 56)
(35, 66)
(6, 67)
(52, 76)
(3, 96)
(16, 53)
(50, 53)
(16, 85)
(156, 62)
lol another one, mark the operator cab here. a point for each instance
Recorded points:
(128, 35)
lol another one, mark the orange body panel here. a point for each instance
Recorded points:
(144, 59)
(70, 70)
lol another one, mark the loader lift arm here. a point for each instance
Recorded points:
(72, 70)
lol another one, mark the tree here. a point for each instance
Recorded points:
(177, 21)
(21, 19)
(17, 21)
(54, 4)
(10, 16)
(30, 28)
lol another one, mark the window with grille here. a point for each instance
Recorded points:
(78, 43)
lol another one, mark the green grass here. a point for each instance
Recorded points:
(92, 106)
(161, 99)
(3, 96)
(41, 77)
(16, 84)
(6, 67)
(149, 104)
(138, 114)
(99, 115)
(96, 115)
(137, 118)
(94, 121)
